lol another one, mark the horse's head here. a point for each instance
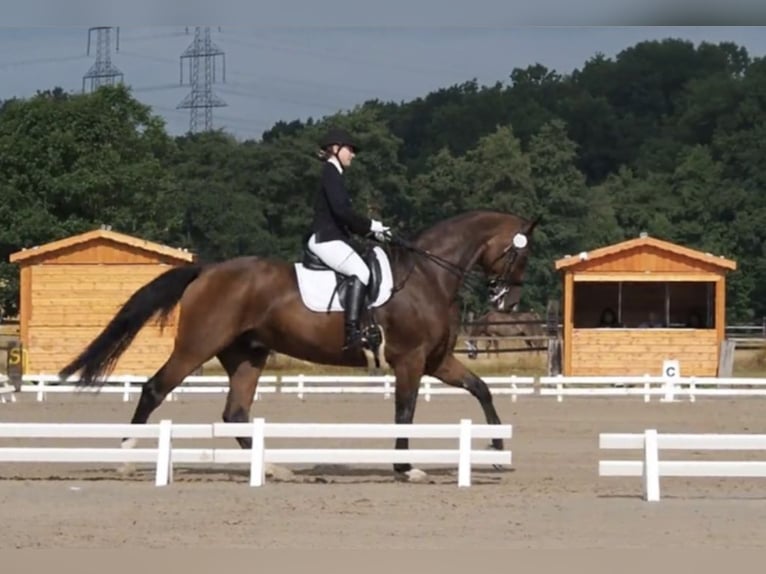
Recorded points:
(505, 260)
(499, 243)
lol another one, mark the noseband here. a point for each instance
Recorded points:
(502, 282)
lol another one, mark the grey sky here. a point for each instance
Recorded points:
(433, 13)
(285, 74)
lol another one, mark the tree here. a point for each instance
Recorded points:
(574, 218)
(221, 218)
(70, 163)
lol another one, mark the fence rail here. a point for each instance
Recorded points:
(666, 389)
(300, 385)
(166, 452)
(669, 389)
(651, 468)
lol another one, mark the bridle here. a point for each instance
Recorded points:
(500, 282)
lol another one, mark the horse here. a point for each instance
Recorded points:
(495, 324)
(241, 309)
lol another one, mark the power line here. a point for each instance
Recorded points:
(201, 53)
(33, 61)
(242, 90)
(340, 55)
(102, 72)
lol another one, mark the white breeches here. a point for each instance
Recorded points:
(341, 257)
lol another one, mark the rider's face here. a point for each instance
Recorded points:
(346, 155)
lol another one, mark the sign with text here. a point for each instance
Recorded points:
(16, 364)
(671, 368)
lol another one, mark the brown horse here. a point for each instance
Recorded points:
(501, 324)
(240, 309)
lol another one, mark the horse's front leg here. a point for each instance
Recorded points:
(408, 372)
(453, 372)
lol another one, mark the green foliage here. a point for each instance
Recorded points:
(667, 138)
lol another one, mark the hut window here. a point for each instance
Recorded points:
(691, 304)
(645, 304)
(591, 299)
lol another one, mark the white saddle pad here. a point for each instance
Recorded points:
(317, 286)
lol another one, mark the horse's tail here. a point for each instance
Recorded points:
(159, 296)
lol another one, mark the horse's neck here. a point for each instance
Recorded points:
(460, 249)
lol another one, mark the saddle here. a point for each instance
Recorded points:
(311, 261)
(323, 288)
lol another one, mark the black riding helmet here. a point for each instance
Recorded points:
(339, 136)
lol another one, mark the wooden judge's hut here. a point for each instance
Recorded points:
(630, 306)
(71, 288)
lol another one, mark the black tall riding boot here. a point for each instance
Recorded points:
(353, 304)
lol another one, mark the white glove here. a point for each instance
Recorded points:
(380, 231)
(377, 227)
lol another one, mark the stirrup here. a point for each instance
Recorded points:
(354, 339)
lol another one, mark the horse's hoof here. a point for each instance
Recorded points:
(497, 467)
(275, 472)
(127, 469)
(413, 475)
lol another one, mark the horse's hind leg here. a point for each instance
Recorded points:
(453, 372)
(244, 364)
(179, 366)
(167, 378)
(198, 340)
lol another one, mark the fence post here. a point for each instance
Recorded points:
(387, 380)
(428, 389)
(464, 458)
(164, 471)
(647, 388)
(669, 385)
(651, 466)
(257, 463)
(300, 386)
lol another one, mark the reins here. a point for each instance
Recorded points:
(400, 241)
(441, 262)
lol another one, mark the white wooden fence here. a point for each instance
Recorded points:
(166, 453)
(128, 385)
(667, 389)
(300, 385)
(651, 468)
